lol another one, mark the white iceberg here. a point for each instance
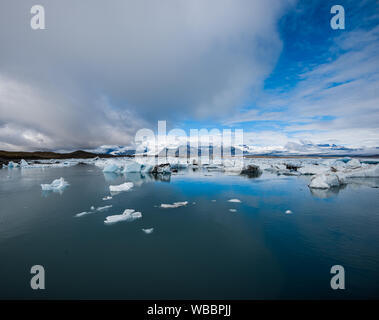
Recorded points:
(325, 181)
(370, 171)
(232, 210)
(353, 164)
(148, 231)
(122, 187)
(56, 185)
(288, 212)
(127, 215)
(132, 166)
(235, 200)
(107, 198)
(11, 164)
(174, 205)
(111, 167)
(23, 164)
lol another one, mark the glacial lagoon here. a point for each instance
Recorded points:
(279, 240)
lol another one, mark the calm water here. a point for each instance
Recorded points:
(195, 252)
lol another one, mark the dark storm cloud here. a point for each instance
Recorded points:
(103, 69)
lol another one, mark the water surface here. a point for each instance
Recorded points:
(200, 251)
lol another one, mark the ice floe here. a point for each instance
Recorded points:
(81, 214)
(121, 187)
(127, 215)
(56, 185)
(235, 200)
(288, 212)
(174, 205)
(107, 198)
(325, 181)
(232, 210)
(148, 231)
(104, 208)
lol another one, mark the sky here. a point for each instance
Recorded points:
(101, 70)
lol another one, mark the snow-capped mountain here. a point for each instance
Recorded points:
(290, 149)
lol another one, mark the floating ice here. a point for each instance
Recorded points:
(148, 231)
(122, 187)
(174, 205)
(57, 184)
(23, 164)
(81, 214)
(127, 215)
(92, 208)
(107, 198)
(132, 166)
(111, 167)
(370, 171)
(103, 208)
(235, 200)
(11, 164)
(325, 181)
(288, 212)
(353, 164)
(232, 210)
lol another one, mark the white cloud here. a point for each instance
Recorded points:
(148, 60)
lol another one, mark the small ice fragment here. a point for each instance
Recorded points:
(103, 208)
(288, 212)
(213, 200)
(232, 210)
(174, 205)
(127, 215)
(148, 231)
(92, 208)
(235, 200)
(81, 214)
(122, 187)
(57, 184)
(107, 198)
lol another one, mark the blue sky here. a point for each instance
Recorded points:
(273, 68)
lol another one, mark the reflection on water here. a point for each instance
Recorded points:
(208, 249)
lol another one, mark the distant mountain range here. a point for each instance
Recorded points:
(290, 149)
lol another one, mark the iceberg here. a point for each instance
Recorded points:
(148, 231)
(232, 210)
(235, 200)
(325, 181)
(132, 167)
(122, 187)
(107, 198)
(127, 215)
(370, 171)
(56, 185)
(353, 164)
(11, 164)
(162, 168)
(23, 163)
(111, 167)
(288, 212)
(174, 205)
